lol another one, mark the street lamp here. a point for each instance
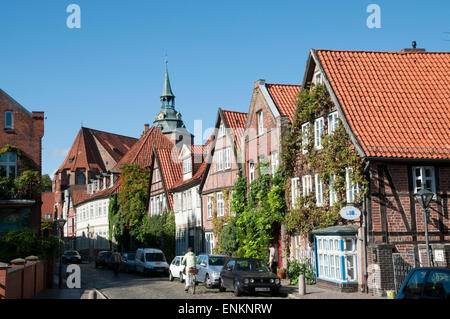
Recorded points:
(424, 197)
(59, 223)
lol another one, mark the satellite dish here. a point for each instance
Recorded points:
(350, 212)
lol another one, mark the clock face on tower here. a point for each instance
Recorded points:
(160, 116)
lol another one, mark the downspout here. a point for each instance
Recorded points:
(364, 228)
(201, 218)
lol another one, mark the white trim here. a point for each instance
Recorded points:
(268, 98)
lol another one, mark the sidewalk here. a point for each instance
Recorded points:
(314, 292)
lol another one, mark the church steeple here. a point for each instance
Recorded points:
(167, 97)
(168, 120)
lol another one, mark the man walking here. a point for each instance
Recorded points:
(190, 260)
(273, 258)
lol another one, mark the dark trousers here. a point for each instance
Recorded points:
(274, 267)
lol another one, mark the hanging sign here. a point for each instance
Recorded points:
(350, 212)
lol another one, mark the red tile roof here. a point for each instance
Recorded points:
(141, 152)
(285, 97)
(85, 153)
(235, 121)
(48, 204)
(397, 104)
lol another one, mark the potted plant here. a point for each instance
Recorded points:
(281, 273)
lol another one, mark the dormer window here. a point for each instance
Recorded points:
(9, 120)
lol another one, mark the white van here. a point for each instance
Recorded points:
(151, 260)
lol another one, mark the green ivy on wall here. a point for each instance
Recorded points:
(337, 154)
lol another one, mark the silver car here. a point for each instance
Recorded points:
(209, 268)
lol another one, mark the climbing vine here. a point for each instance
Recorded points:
(336, 155)
(27, 185)
(220, 221)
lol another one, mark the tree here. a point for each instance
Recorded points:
(46, 183)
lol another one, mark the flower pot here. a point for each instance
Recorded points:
(281, 275)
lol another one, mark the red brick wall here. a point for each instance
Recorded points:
(26, 134)
(396, 221)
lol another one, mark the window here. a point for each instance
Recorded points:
(221, 130)
(220, 205)
(437, 285)
(187, 166)
(260, 122)
(274, 161)
(319, 190)
(8, 165)
(332, 122)
(318, 132)
(333, 195)
(318, 78)
(227, 155)
(351, 187)
(251, 172)
(219, 159)
(307, 185)
(209, 236)
(294, 190)
(336, 258)
(8, 119)
(305, 136)
(210, 206)
(423, 177)
(415, 284)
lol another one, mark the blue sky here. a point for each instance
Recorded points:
(109, 74)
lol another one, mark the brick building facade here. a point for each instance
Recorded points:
(399, 125)
(23, 131)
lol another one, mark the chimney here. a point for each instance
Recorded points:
(413, 49)
(146, 128)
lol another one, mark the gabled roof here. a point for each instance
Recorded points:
(85, 153)
(396, 104)
(285, 97)
(142, 150)
(236, 122)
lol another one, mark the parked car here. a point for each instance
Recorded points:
(71, 257)
(128, 260)
(248, 275)
(102, 259)
(151, 260)
(209, 268)
(176, 269)
(426, 283)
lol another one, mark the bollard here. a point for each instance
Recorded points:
(301, 285)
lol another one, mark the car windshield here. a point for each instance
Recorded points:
(131, 256)
(154, 257)
(251, 265)
(106, 254)
(216, 261)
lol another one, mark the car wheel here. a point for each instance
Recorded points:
(221, 286)
(208, 282)
(181, 277)
(170, 276)
(236, 291)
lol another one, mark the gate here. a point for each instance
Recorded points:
(402, 265)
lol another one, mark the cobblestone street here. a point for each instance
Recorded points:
(132, 286)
